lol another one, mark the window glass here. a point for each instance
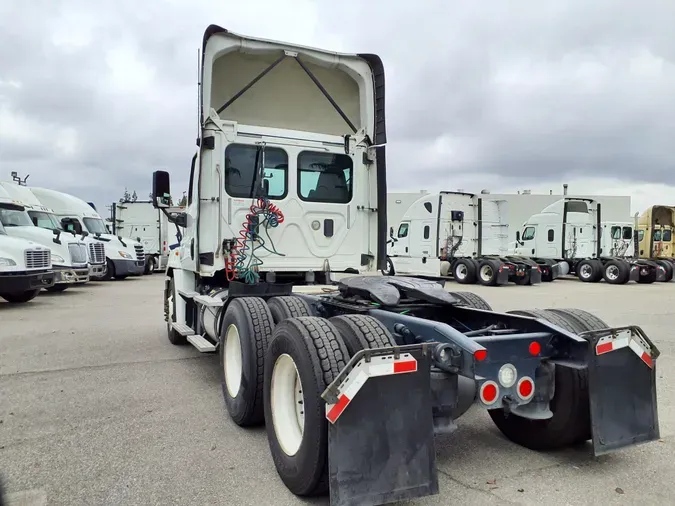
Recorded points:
(551, 234)
(325, 177)
(71, 225)
(575, 206)
(426, 232)
(657, 235)
(44, 220)
(627, 233)
(95, 225)
(240, 171)
(616, 232)
(641, 235)
(403, 230)
(14, 217)
(667, 235)
(528, 234)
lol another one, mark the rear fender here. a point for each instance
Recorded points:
(622, 388)
(381, 432)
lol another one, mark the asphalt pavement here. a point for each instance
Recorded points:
(97, 407)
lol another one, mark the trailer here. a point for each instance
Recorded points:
(569, 232)
(463, 236)
(353, 379)
(141, 221)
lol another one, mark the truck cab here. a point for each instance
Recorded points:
(44, 217)
(655, 233)
(297, 159)
(617, 239)
(562, 230)
(25, 268)
(68, 254)
(124, 257)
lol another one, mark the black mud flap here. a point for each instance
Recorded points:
(556, 271)
(622, 388)
(535, 275)
(381, 448)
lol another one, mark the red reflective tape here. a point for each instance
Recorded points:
(338, 408)
(647, 359)
(408, 366)
(603, 348)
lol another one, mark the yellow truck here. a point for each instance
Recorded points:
(655, 236)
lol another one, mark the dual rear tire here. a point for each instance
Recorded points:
(276, 360)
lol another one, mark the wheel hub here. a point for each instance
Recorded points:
(287, 403)
(232, 362)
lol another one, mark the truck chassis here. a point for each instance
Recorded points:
(295, 358)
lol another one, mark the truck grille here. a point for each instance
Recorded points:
(96, 253)
(78, 252)
(38, 258)
(140, 255)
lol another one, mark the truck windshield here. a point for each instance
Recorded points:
(95, 225)
(11, 217)
(44, 220)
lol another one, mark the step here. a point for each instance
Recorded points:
(183, 329)
(189, 294)
(201, 344)
(206, 300)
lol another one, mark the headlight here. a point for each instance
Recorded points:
(57, 259)
(124, 254)
(7, 262)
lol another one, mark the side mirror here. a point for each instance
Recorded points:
(391, 232)
(161, 189)
(518, 236)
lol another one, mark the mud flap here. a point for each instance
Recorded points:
(381, 444)
(622, 388)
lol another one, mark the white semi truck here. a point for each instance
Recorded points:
(44, 217)
(143, 222)
(25, 268)
(570, 231)
(124, 257)
(69, 258)
(353, 379)
(463, 235)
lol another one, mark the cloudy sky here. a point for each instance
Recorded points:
(498, 95)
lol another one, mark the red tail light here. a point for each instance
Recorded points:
(535, 348)
(525, 388)
(489, 391)
(480, 355)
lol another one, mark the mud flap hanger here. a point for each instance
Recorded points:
(622, 388)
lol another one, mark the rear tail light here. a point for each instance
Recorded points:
(525, 388)
(534, 348)
(480, 355)
(489, 392)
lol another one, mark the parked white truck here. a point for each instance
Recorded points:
(25, 268)
(44, 217)
(70, 261)
(354, 379)
(124, 257)
(463, 235)
(141, 221)
(570, 232)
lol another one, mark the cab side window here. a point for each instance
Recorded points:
(403, 230)
(241, 171)
(528, 234)
(325, 177)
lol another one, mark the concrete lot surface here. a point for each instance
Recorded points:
(97, 407)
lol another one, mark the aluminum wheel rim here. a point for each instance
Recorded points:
(612, 272)
(486, 272)
(585, 271)
(232, 365)
(287, 403)
(461, 271)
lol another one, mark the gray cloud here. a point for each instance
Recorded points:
(479, 95)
